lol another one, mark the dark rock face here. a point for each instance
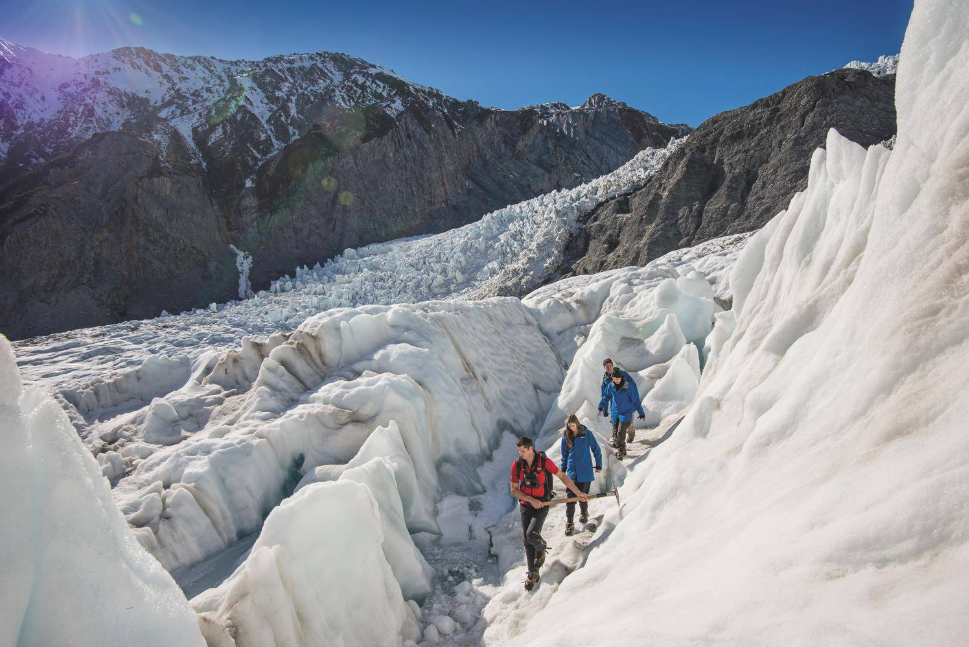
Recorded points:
(735, 172)
(123, 201)
(104, 233)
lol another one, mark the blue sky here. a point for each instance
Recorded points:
(682, 61)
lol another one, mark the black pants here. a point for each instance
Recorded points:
(583, 505)
(620, 429)
(532, 521)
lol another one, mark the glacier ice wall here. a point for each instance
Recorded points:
(72, 571)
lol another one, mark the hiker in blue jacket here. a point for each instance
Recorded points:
(622, 397)
(579, 446)
(610, 367)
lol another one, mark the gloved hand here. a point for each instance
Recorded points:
(642, 417)
(605, 414)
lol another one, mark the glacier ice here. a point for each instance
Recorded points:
(316, 575)
(646, 319)
(408, 565)
(450, 377)
(72, 571)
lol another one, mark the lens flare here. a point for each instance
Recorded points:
(135, 19)
(345, 198)
(329, 183)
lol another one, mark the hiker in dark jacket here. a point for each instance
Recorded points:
(622, 397)
(579, 446)
(610, 368)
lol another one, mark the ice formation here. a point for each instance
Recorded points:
(244, 265)
(816, 491)
(510, 250)
(445, 379)
(72, 571)
(317, 575)
(643, 319)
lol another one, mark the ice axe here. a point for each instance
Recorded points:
(573, 499)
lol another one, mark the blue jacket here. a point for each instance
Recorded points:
(576, 461)
(606, 381)
(623, 401)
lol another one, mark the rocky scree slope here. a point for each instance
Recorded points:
(738, 170)
(125, 176)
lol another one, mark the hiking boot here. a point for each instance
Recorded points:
(531, 579)
(621, 454)
(570, 528)
(540, 557)
(614, 443)
(631, 436)
(583, 518)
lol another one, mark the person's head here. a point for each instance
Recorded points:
(572, 422)
(572, 426)
(608, 365)
(526, 449)
(617, 377)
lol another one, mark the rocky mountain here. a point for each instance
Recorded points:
(126, 176)
(735, 172)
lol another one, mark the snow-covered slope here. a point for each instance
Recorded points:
(816, 491)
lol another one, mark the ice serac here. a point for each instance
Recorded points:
(317, 575)
(431, 387)
(408, 565)
(72, 571)
(816, 491)
(414, 471)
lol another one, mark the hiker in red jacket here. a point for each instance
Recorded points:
(531, 485)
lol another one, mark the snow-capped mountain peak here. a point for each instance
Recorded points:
(884, 66)
(599, 100)
(62, 100)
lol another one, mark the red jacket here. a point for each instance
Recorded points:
(516, 476)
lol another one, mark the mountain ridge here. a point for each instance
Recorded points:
(292, 162)
(736, 171)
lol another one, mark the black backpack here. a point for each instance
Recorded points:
(549, 493)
